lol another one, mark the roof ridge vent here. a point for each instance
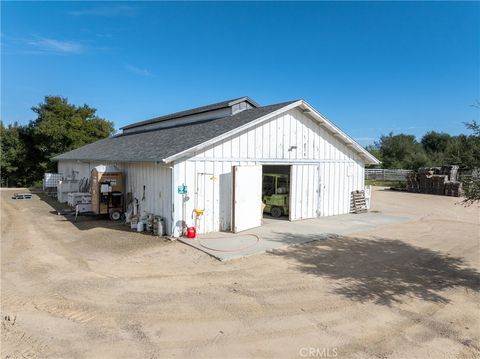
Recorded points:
(242, 104)
(208, 112)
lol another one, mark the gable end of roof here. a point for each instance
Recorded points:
(156, 145)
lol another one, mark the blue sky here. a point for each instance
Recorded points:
(371, 67)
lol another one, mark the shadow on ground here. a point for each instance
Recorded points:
(381, 270)
(82, 222)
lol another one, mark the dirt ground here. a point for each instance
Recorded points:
(93, 289)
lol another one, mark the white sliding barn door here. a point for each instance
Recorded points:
(304, 192)
(247, 196)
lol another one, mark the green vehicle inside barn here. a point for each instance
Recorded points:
(275, 194)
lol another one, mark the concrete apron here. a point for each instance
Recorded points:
(277, 234)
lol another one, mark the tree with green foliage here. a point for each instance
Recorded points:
(472, 191)
(62, 127)
(13, 154)
(58, 128)
(434, 149)
(472, 185)
(462, 150)
(435, 144)
(399, 151)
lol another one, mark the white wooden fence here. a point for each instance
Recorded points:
(383, 174)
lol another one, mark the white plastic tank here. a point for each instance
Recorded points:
(176, 232)
(140, 226)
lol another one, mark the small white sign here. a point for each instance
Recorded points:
(350, 170)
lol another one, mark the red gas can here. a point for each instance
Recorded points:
(191, 232)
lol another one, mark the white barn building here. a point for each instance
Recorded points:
(218, 152)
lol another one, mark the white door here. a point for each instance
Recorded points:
(295, 196)
(247, 197)
(304, 192)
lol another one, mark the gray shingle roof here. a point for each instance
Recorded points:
(171, 116)
(156, 145)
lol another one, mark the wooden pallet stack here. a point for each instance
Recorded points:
(451, 172)
(438, 184)
(435, 180)
(359, 204)
(425, 180)
(412, 183)
(453, 189)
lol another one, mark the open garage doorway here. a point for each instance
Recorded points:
(276, 192)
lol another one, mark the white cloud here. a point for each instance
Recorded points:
(57, 46)
(138, 71)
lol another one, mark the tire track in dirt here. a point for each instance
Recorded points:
(376, 343)
(16, 343)
(441, 328)
(119, 293)
(12, 300)
(55, 305)
(249, 337)
(58, 306)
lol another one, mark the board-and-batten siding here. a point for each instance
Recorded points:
(324, 170)
(155, 178)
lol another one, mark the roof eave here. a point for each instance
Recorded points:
(111, 160)
(367, 156)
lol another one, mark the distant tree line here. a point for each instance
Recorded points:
(433, 149)
(26, 150)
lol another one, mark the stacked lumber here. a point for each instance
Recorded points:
(435, 180)
(359, 205)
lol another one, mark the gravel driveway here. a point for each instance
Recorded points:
(93, 289)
